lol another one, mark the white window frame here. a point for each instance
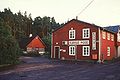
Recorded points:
(108, 36)
(118, 36)
(103, 34)
(72, 50)
(84, 33)
(71, 34)
(112, 37)
(108, 51)
(87, 51)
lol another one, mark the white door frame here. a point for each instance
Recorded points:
(58, 53)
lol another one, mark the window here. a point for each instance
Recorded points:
(29, 49)
(103, 34)
(108, 51)
(72, 50)
(112, 37)
(71, 34)
(86, 50)
(86, 33)
(64, 42)
(108, 36)
(118, 36)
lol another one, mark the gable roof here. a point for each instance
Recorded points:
(25, 41)
(79, 21)
(113, 28)
(74, 20)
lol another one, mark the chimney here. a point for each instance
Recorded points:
(76, 17)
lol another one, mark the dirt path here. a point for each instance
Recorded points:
(39, 68)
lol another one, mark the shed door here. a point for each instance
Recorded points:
(57, 52)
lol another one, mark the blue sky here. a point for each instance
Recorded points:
(100, 12)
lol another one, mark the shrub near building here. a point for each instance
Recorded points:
(9, 50)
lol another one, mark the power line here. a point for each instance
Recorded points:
(86, 7)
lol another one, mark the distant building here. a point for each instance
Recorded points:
(116, 30)
(32, 44)
(78, 40)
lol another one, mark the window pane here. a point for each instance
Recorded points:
(86, 33)
(108, 51)
(103, 34)
(71, 50)
(71, 34)
(108, 36)
(86, 50)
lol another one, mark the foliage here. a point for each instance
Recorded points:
(47, 41)
(43, 26)
(32, 54)
(9, 50)
(19, 24)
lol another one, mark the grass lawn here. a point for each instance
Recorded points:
(6, 67)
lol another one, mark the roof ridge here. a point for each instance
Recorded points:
(85, 23)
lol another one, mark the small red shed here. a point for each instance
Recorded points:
(80, 40)
(33, 44)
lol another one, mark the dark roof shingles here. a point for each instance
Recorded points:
(113, 28)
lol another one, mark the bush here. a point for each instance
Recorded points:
(47, 55)
(31, 54)
(9, 49)
(47, 41)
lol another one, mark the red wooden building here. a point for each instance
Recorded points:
(33, 44)
(78, 40)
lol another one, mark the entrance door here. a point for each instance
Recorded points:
(57, 52)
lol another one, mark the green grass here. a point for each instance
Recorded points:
(6, 67)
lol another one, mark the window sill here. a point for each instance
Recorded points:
(86, 55)
(71, 55)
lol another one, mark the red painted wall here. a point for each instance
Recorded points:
(36, 43)
(108, 43)
(62, 34)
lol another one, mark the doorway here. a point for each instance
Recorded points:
(57, 52)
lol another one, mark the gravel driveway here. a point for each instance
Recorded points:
(40, 68)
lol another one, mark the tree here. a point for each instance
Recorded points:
(9, 50)
(43, 26)
(47, 41)
(21, 25)
(37, 26)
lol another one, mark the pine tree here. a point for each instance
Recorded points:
(9, 50)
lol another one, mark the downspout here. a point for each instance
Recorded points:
(99, 54)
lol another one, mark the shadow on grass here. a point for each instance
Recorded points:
(5, 67)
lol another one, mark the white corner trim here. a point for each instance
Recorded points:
(51, 45)
(99, 54)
